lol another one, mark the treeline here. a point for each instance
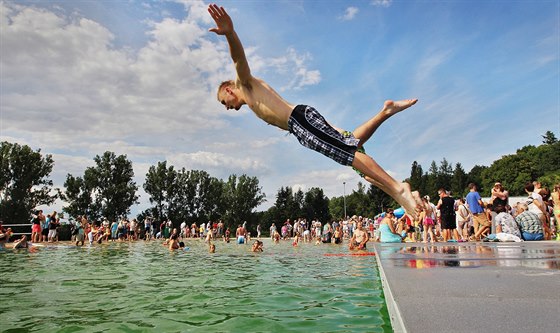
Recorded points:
(107, 189)
(529, 163)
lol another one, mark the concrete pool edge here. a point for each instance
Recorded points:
(392, 306)
(506, 278)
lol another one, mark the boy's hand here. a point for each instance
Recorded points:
(222, 19)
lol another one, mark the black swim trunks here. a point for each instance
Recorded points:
(313, 132)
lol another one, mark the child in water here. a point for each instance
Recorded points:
(296, 239)
(257, 246)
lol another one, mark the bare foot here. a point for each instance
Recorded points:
(410, 200)
(392, 107)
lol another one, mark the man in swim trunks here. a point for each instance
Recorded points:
(241, 234)
(359, 238)
(309, 127)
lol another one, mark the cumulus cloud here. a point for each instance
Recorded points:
(349, 14)
(68, 69)
(67, 87)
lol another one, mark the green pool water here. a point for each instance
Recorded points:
(144, 287)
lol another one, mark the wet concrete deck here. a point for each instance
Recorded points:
(472, 287)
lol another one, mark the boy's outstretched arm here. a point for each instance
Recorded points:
(225, 27)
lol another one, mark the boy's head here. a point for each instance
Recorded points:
(529, 187)
(227, 95)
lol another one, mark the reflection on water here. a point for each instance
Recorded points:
(143, 287)
(473, 255)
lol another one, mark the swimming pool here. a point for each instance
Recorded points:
(143, 287)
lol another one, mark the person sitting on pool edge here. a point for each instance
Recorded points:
(387, 229)
(359, 238)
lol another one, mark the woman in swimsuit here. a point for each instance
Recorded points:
(427, 218)
(387, 229)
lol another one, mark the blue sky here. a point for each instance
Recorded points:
(139, 78)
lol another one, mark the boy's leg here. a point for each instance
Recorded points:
(398, 191)
(366, 130)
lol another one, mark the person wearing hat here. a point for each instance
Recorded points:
(529, 223)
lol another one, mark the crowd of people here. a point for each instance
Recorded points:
(471, 219)
(450, 220)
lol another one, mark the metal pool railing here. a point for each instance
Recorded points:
(19, 227)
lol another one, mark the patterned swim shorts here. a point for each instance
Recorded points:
(313, 132)
(347, 134)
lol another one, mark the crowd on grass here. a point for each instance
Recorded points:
(450, 220)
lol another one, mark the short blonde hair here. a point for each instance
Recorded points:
(224, 84)
(523, 205)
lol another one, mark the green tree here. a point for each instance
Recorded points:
(116, 190)
(475, 176)
(380, 200)
(432, 184)
(316, 205)
(184, 195)
(109, 185)
(513, 171)
(417, 180)
(459, 181)
(444, 175)
(242, 194)
(358, 202)
(159, 184)
(297, 209)
(210, 196)
(79, 195)
(549, 138)
(284, 205)
(24, 182)
(527, 164)
(336, 208)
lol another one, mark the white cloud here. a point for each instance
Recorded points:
(291, 67)
(381, 3)
(202, 160)
(67, 88)
(349, 14)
